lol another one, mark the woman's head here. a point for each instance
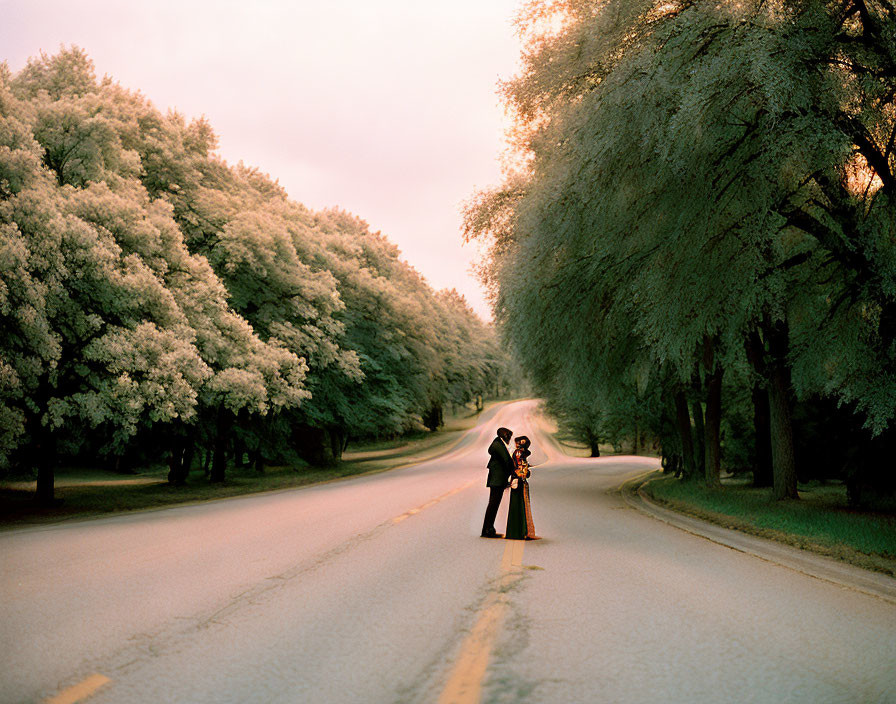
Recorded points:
(521, 441)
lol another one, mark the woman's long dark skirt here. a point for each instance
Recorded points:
(516, 514)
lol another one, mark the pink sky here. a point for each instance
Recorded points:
(386, 108)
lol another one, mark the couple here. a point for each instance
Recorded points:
(505, 470)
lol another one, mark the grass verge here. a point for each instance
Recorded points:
(821, 521)
(88, 492)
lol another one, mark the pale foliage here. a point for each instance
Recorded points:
(695, 170)
(144, 283)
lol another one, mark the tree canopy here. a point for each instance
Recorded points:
(152, 293)
(701, 209)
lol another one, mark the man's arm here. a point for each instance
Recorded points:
(508, 461)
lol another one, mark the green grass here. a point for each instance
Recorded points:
(820, 521)
(88, 492)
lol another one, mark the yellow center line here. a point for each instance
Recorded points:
(80, 691)
(464, 684)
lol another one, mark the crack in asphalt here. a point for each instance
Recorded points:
(175, 634)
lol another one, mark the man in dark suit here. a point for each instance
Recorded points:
(500, 467)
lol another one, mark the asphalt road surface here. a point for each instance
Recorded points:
(379, 589)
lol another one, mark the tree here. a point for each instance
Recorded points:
(154, 297)
(92, 336)
(102, 270)
(777, 114)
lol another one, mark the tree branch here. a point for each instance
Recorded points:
(876, 159)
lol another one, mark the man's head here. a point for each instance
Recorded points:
(505, 434)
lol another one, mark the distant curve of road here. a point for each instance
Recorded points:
(378, 589)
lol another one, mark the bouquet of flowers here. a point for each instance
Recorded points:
(521, 472)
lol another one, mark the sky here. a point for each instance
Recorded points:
(385, 108)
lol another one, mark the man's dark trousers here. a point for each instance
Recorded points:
(491, 511)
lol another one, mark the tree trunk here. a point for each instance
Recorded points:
(258, 461)
(712, 445)
(189, 453)
(337, 442)
(762, 444)
(594, 445)
(180, 459)
(432, 419)
(762, 462)
(671, 464)
(314, 445)
(219, 460)
(683, 422)
(783, 461)
(46, 469)
(239, 453)
(699, 438)
(176, 461)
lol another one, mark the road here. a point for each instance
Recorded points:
(378, 589)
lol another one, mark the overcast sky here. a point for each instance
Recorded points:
(386, 108)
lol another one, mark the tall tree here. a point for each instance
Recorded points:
(153, 296)
(781, 117)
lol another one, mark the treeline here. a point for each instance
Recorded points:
(155, 300)
(697, 247)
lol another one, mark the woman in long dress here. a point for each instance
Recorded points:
(519, 512)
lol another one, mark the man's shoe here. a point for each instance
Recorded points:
(492, 535)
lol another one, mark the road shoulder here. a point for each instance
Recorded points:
(828, 569)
